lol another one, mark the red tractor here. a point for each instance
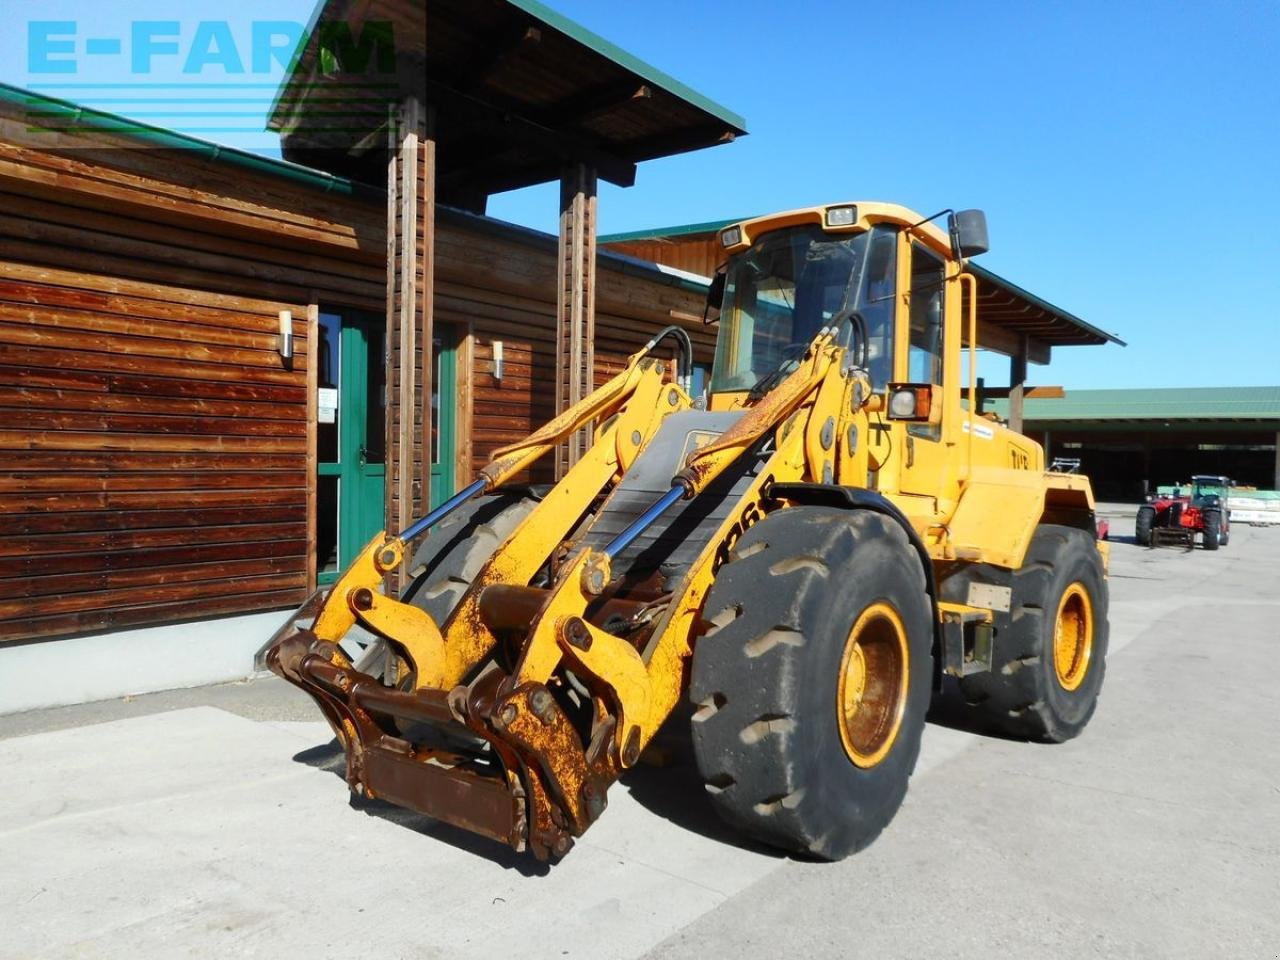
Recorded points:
(1179, 516)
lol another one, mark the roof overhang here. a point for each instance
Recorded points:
(1009, 315)
(518, 92)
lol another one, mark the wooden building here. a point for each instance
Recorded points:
(172, 465)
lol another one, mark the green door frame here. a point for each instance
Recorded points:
(444, 386)
(361, 480)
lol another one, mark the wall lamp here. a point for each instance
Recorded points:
(286, 335)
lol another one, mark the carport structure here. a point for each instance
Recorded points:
(449, 102)
(1130, 441)
(1011, 321)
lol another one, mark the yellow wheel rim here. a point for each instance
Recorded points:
(872, 695)
(1073, 637)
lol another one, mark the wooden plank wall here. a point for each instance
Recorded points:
(153, 444)
(696, 253)
(503, 287)
(156, 454)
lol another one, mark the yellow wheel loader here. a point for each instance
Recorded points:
(808, 554)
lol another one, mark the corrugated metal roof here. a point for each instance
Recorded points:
(1171, 403)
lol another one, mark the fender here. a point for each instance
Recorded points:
(857, 498)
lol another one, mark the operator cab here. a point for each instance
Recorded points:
(1209, 491)
(888, 282)
(791, 275)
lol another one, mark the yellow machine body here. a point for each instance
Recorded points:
(497, 669)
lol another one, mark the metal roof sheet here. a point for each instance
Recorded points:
(1166, 403)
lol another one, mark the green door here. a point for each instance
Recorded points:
(444, 415)
(351, 434)
(351, 438)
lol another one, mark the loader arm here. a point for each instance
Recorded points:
(540, 775)
(356, 595)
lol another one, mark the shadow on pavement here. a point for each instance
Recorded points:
(673, 791)
(329, 757)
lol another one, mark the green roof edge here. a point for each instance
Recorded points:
(1129, 404)
(287, 79)
(171, 139)
(627, 61)
(577, 31)
(711, 226)
(1042, 303)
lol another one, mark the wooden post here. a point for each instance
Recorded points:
(1017, 383)
(1147, 486)
(313, 384)
(410, 236)
(1276, 481)
(575, 301)
(426, 263)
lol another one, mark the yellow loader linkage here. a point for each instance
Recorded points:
(768, 557)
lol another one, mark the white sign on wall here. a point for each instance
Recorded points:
(327, 406)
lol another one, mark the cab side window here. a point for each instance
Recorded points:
(928, 299)
(927, 308)
(877, 304)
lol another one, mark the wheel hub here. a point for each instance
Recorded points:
(1073, 637)
(872, 690)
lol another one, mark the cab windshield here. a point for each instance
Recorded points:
(1204, 487)
(790, 285)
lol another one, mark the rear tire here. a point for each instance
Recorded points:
(1212, 529)
(446, 564)
(812, 684)
(1050, 649)
(458, 546)
(1142, 527)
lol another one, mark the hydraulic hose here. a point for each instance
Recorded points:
(684, 372)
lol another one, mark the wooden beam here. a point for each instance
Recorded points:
(596, 101)
(391, 439)
(1017, 383)
(575, 301)
(512, 122)
(426, 258)
(501, 46)
(410, 234)
(992, 336)
(665, 144)
(313, 383)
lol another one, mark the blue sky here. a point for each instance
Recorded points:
(1127, 155)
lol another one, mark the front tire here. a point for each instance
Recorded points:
(812, 683)
(1212, 536)
(1142, 526)
(1050, 649)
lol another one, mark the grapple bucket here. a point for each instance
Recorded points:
(506, 764)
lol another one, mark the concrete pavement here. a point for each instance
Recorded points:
(212, 822)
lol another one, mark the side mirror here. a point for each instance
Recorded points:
(915, 402)
(715, 296)
(968, 233)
